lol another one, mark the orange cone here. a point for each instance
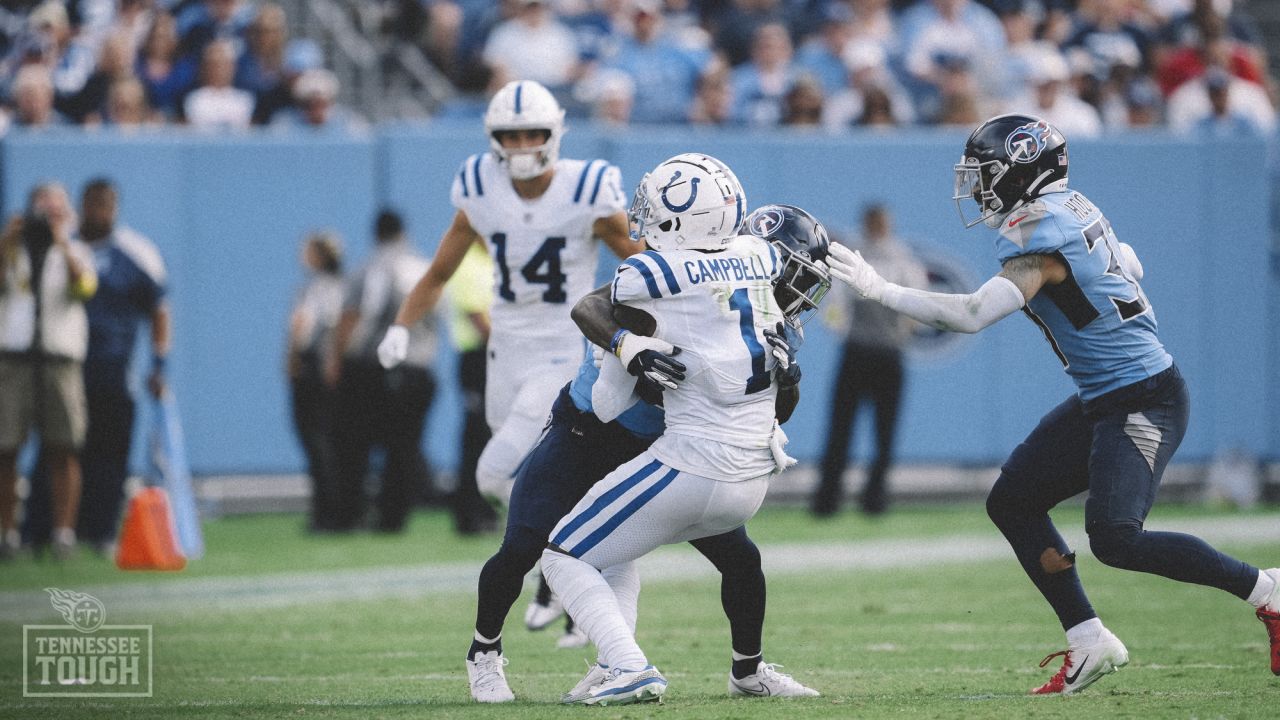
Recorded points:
(148, 540)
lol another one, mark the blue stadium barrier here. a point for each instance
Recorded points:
(229, 214)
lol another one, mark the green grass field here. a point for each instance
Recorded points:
(954, 639)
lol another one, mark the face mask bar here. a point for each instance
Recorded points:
(969, 186)
(640, 213)
(800, 288)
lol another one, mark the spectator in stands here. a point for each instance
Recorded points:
(45, 279)
(713, 103)
(738, 26)
(315, 95)
(1050, 97)
(261, 68)
(822, 55)
(869, 74)
(759, 85)
(216, 104)
(612, 94)
(802, 105)
(311, 327)
(534, 45)
(166, 76)
(1244, 106)
(1142, 104)
(114, 64)
(127, 105)
(377, 407)
(133, 20)
(470, 293)
(1105, 33)
(70, 59)
(936, 33)
(665, 75)
(877, 110)
(213, 20)
(871, 370)
(1216, 48)
(132, 283)
(873, 21)
(33, 99)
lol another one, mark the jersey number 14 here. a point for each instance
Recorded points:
(542, 269)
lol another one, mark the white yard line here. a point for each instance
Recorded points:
(152, 600)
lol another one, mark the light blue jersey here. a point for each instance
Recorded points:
(1098, 320)
(642, 419)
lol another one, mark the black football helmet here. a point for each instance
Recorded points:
(1009, 160)
(802, 245)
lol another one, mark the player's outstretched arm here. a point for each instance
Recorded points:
(783, 344)
(615, 231)
(1019, 281)
(425, 294)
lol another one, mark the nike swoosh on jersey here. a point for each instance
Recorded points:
(1071, 679)
(1015, 221)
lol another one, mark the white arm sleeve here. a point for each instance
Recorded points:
(997, 298)
(613, 391)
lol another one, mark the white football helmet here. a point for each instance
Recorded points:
(525, 105)
(689, 202)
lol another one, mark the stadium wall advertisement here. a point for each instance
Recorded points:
(229, 213)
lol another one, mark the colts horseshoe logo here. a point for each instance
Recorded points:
(693, 193)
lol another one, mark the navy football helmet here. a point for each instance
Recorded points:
(802, 245)
(1009, 160)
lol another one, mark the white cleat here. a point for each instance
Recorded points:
(766, 681)
(623, 687)
(538, 616)
(596, 675)
(574, 638)
(1085, 665)
(488, 681)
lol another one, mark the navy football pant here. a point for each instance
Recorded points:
(575, 452)
(1116, 447)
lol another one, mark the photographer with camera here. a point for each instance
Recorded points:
(45, 278)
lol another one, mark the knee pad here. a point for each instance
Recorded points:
(1113, 542)
(496, 469)
(521, 547)
(1002, 503)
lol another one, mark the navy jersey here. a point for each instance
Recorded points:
(642, 419)
(1098, 320)
(131, 283)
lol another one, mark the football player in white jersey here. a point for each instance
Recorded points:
(539, 216)
(712, 295)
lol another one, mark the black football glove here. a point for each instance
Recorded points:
(783, 345)
(664, 370)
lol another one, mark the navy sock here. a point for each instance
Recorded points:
(743, 668)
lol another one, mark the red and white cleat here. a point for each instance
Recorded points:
(1269, 614)
(1084, 665)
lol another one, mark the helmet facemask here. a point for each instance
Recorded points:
(530, 162)
(976, 181)
(800, 286)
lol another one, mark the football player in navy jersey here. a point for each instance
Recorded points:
(1063, 266)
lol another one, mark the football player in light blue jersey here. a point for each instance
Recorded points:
(1064, 267)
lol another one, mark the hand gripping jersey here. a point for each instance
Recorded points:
(1098, 320)
(543, 250)
(714, 306)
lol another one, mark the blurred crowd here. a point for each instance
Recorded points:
(1088, 66)
(212, 64)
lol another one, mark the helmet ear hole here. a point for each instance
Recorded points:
(665, 226)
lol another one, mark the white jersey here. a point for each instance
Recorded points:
(544, 251)
(714, 306)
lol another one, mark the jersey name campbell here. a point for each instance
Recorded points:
(1098, 320)
(714, 307)
(544, 251)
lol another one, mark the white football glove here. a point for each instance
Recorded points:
(597, 356)
(853, 271)
(394, 347)
(777, 441)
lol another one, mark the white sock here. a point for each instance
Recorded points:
(1084, 633)
(487, 641)
(594, 608)
(739, 657)
(12, 538)
(624, 580)
(64, 536)
(1263, 590)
